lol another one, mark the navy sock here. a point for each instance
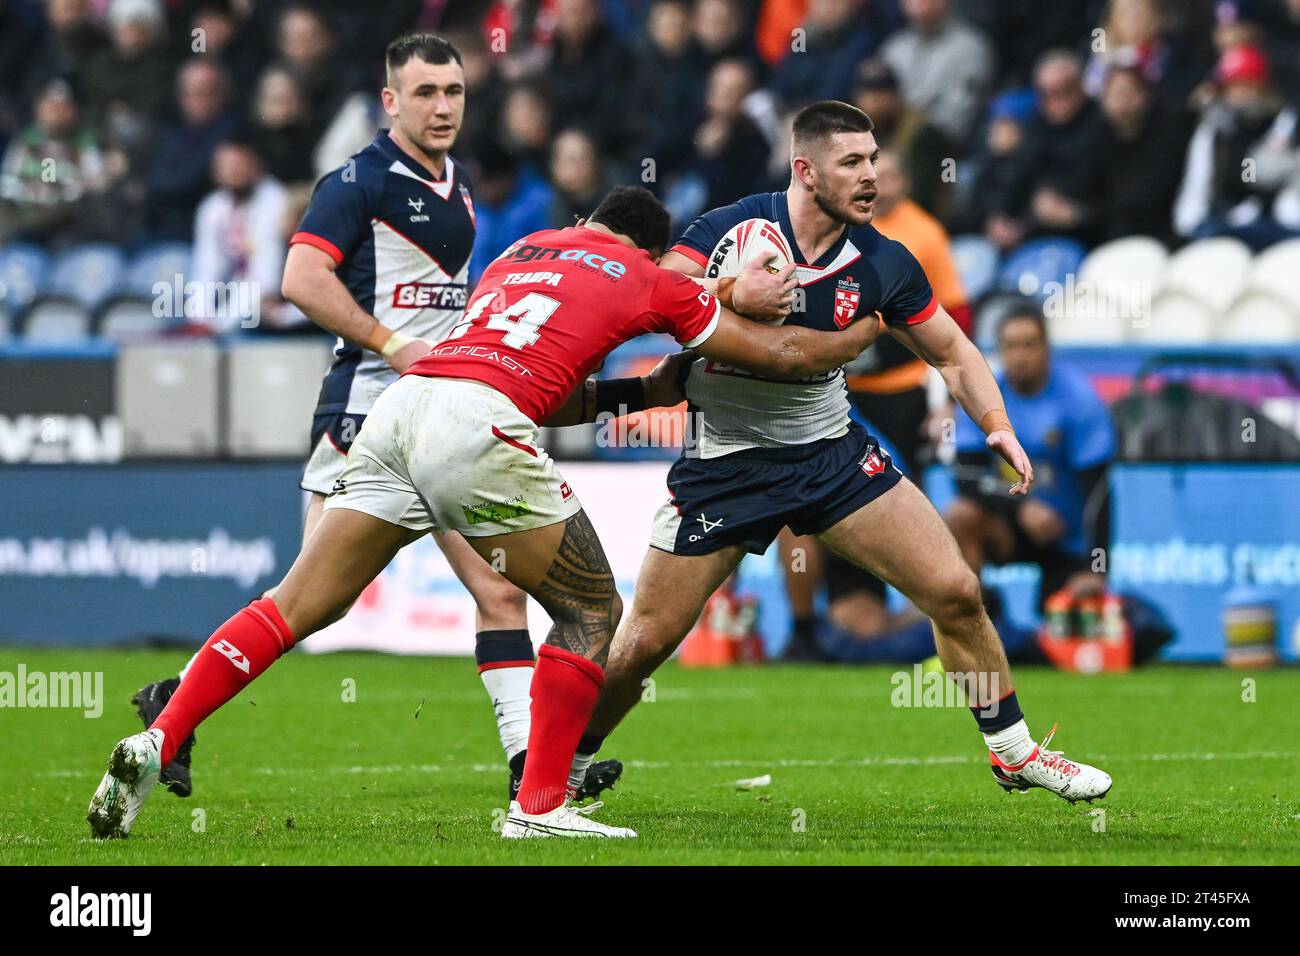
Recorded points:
(999, 715)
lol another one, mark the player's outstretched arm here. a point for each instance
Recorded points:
(939, 341)
(664, 387)
(310, 284)
(785, 351)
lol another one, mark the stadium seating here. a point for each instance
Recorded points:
(1178, 318)
(1211, 270)
(88, 274)
(1039, 265)
(130, 318)
(56, 320)
(24, 269)
(1112, 292)
(977, 263)
(1260, 317)
(160, 262)
(6, 324)
(1277, 270)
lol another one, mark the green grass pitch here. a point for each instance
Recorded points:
(291, 773)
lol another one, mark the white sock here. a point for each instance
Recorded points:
(1013, 745)
(578, 770)
(509, 689)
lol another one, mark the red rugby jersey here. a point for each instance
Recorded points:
(553, 305)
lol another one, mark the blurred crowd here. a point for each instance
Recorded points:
(1090, 119)
(144, 122)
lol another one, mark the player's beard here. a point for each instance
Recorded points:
(841, 212)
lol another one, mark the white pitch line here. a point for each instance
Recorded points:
(935, 760)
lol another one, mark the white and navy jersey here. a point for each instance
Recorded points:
(402, 241)
(862, 273)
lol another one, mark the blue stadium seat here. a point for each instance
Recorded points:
(977, 263)
(1034, 264)
(160, 262)
(24, 272)
(88, 274)
(6, 324)
(130, 318)
(56, 320)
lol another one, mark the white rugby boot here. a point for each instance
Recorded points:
(133, 769)
(564, 821)
(1050, 770)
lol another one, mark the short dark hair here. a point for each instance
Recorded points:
(428, 47)
(1024, 309)
(637, 213)
(818, 121)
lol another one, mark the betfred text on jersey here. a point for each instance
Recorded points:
(429, 295)
(527, 252)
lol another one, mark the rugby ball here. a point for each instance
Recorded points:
(745, 242)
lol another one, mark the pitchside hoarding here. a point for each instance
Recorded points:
(1186, 536)
(104, 555)
(121, 554)
(59, 409)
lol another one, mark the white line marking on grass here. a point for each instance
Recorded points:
(934, 760)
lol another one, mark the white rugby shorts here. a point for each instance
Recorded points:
(452, 455)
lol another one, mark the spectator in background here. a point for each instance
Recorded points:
(48, 170)
(526, 128)
(1020, 30)
(577, 176)
(71, 40)
(1053, 189)
(280, 124)
(132, 75)
(1132, 31)
(945, 66)
(178, 174)
(921, 147)
(239, 237)
(510, 201)
(836, 39)
(722, 30)
(1241, 158)
(777, 21)
(1282, 44)
(585, 75)
(1067, 432)
(665, 86)
(1142, 142)
(229, 33)
(484, 90)
(306, 47)
(730, 155)
(980, 197)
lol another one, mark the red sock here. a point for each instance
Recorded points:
(565, 688)
(239, 651)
